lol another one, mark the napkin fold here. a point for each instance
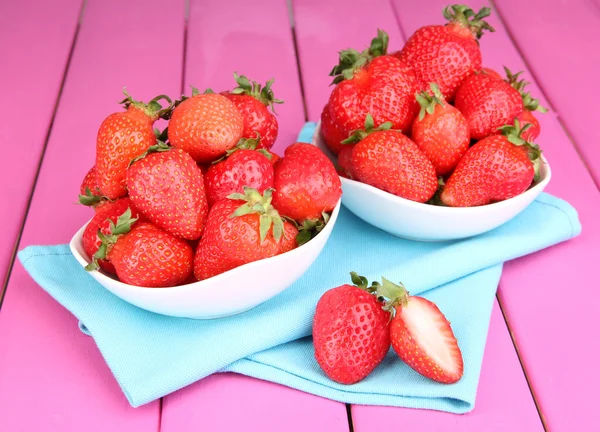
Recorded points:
(153, 355)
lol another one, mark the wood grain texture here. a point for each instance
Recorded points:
(35, 37)
(53, 377)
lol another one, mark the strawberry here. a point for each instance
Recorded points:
(421, 335)
(498, 167)
(345, 162)
(388, 160)
(243, 167)
(330, 132)
(447, 54)
(530, 104)
(527, 118)
(252, 100)
(102, 220)
(371, 82)
(123, 136)
(239, 230)
(440, 131)
(306, 183)
(167, 186)
(487, 103)
(205, 126)
(288, 241)
(491, 72)
(350, 332)
(274, 158)
(89, 191)
(143, 254)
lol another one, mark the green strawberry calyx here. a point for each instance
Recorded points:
(123, 226)
(513, 134)
(387, 292)
(360, 134)
(310, 227)
(428, 102)
(159, 147)
(261, 205)
(466, 17)
(245, 144)
(529, 102)
(251, 88)
(152, 109)
(90, 198)
(351, 60)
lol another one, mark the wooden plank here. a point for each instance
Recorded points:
(343, 24)
(256, 41)
(36, 37)
(530, 287)
(53, 377)
(548, 33)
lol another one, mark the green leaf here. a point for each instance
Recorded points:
(369, 123)
(242, 210)
(195, 91)
(265, 224)
(277, 229)
(303, 237)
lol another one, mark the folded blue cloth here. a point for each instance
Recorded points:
(152, 355)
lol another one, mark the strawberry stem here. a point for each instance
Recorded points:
(529, 102)
(259, 204)
(252, 88)
(466, 17)
(152, 109)
(310, 228)
(428, 102)
(91, 199)
(360, 134)
(159, 147)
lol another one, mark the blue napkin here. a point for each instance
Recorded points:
(152, 355)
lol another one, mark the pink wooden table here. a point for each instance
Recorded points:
(62, 65)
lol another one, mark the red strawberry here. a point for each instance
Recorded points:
(496, 168)
(491, 72)
(330, 132)
(205, 126)
(241, 168)
(274, 158)
(89, 191)
(530, 104)
(306, 183)
(372, 82)
(288, 241)
(123, 136)
(388, 160)
(253, 101)
(238, 231)
(447, 54)
(345, 161)
(440, 131)
(350, 332)
(167, 186)
(487, 103)
(422, 336)
(102, 220)
(143, 254)
(527, 118)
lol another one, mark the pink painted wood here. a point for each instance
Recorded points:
(530, 287)
(44, 32)
(494, 399)
(52, 376)
(221, 41)
(569, 33)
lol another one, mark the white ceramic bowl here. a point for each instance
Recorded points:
(424, 222)
(229, 293)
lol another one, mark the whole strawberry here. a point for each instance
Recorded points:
(306, 183)
(497, 168)
(388, 160)
(350, 332)
(440, 131)
(167, 186)
(253, 102)
(447, 54)
(89, 191)
(530, 105)
(121, 137)
(244, 167)
(331, 134)
(288, 240)
(239, 230)
(375, 83)
(205, 126)
(143, 254)
(487, 103)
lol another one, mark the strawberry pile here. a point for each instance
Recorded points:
(205, 195)
(429, 123)
(355, 325)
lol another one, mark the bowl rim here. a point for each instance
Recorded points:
(536, 189)
(75, 243)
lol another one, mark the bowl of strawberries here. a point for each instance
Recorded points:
(201, 220)
(431, 145)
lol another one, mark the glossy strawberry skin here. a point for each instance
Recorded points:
(306, 183)
(350, 334)
(443, 136)
(288, 241)
(331, 134)
(229, 242)
(243, 168)
(110, 211)
(385, 88)
(492, 170)
(168, 188)
(150, 257)
(90, 181)
(534, 130)
(257, 119)
(121, 137)
(205, 126)
(487, 103)
(390, 161)
(443, 54)
(345, 161)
